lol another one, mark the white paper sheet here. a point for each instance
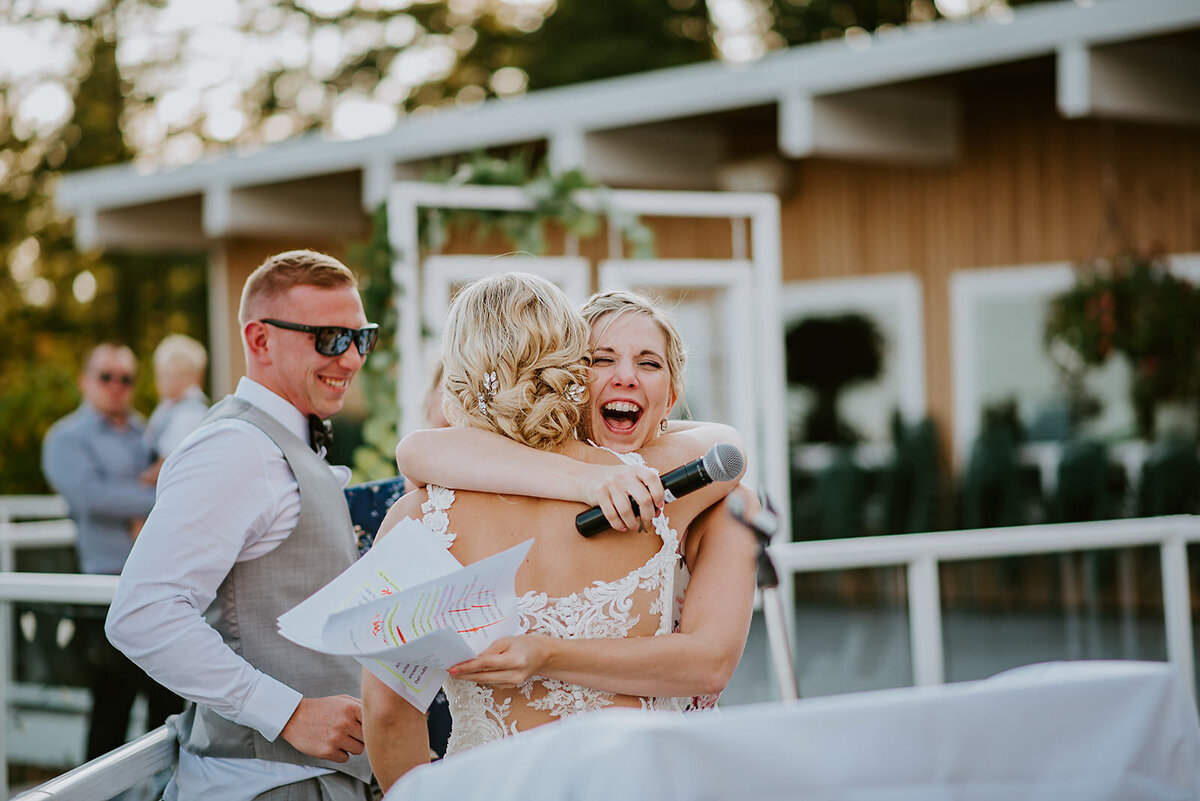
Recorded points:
(408, 610)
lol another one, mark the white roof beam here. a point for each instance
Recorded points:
(321, 206)
(170, 225)
(910, 125)
(672, 156)
(1141, 81)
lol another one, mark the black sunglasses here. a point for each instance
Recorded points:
(124, 378)
(333, 340)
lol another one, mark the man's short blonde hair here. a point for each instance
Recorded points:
(293, 268)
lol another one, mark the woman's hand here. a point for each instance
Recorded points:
(508, 662)
(615, 488)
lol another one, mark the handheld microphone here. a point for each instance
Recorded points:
(722, 462)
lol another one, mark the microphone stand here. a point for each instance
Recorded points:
(763, 526)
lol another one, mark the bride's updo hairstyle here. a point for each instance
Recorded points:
(605, 308)
(522, 329)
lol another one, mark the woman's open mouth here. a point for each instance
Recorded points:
(621, 416)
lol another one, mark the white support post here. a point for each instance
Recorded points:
(925, 621)
(403, 229)
(797, 124)
(216, 214)
(568, 150)
(1177, 609)
(771, 437)
(1074, 86)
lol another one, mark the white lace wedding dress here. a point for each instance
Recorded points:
(606, 609)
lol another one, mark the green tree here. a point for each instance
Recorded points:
(55, 301)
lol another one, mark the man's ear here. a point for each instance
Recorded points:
(255, 335)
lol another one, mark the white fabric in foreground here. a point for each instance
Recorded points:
(1063, 731)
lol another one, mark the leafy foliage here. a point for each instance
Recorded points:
(372, 260)
(1135, 306)
(554, 202)
(827, 355)
(56, 302)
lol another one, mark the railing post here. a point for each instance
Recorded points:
(1177, 608)
(925, 621)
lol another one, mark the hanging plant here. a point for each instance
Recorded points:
(1135, 306)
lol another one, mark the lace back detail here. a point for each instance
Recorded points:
(433, 512)
(605, 609)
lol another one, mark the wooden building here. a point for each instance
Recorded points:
(905, 164)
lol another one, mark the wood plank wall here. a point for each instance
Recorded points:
(1030, 188)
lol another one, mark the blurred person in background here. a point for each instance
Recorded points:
(179, 365)
(97, 458)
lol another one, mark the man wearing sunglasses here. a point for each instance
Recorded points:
(251, 520)
(97, 459)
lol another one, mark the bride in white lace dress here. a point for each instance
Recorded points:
(638, 363)
(516, 356)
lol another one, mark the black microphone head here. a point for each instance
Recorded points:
(723, 462)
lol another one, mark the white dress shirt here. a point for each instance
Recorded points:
(225, 495)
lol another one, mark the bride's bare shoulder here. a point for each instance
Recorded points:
(686, 440)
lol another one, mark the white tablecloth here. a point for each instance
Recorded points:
(1101, 731)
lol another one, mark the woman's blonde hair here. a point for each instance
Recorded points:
(522, 329)
(619, 302)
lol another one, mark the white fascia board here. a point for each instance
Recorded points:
(912, 52)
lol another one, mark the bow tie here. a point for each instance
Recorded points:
(320, 434)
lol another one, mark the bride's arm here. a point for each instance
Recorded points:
(697, 660)
(471, 459)
(394, 732)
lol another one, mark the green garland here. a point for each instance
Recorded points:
(553, 199)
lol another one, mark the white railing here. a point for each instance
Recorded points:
(48, 527)
(921, 554)
(113, 773)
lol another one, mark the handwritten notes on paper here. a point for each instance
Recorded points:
(408, 610)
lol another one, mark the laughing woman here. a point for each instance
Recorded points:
(637, 363)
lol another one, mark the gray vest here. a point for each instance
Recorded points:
(256, 592)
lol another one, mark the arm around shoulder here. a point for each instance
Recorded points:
(471, 459)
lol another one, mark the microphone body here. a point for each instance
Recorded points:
(722, 462)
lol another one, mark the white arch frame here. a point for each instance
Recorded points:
(754, 229)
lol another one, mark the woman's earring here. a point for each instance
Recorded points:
(662, 425)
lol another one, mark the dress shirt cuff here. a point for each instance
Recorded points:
(269, 707)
